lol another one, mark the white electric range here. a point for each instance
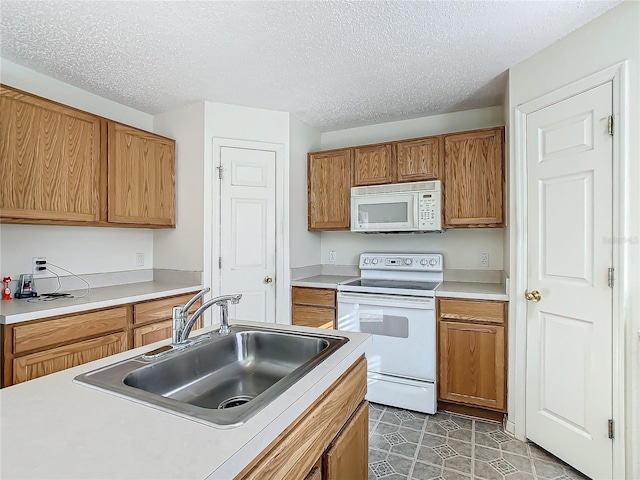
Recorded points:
(394, 300)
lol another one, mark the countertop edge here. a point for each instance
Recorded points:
(11, 319)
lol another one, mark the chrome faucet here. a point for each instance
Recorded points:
(182, 327)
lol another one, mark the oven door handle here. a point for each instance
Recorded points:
(425, 303)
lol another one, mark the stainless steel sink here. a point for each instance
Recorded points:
(222, 380)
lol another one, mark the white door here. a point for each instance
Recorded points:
(569, 330)
(247, 231)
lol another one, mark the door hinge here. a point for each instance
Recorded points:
(219, 172)
(610, 428)
(219, 262)
(610, 125)
(610, 277)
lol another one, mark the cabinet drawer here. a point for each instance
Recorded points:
(156, 310)
(322, 297)
(472, 310)
(68, 329)
(312, 316)
(39, 364)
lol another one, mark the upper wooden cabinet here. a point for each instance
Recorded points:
(473, 176)
(50, 157)
(63, 166)
(419, 159)
(141, 177)
(329, 189)
(372, 164)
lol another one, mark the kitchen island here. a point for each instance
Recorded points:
(54, 428)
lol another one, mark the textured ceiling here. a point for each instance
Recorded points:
(333, 64)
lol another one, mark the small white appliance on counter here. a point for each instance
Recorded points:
(394, 300)
(399, 208)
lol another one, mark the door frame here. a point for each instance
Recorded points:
(622, 224)
(212, 221)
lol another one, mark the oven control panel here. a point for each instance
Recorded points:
(402, 261)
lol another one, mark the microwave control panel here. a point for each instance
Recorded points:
(429, 217)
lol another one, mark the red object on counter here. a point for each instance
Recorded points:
(6, 293)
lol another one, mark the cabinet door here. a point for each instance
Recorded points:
(372, 164)
(151, 333)
(473, 179)
(141, 186)
(349, 452)
(329, 189)
(54, 360)
(50, 158)
(419, 159)
(472, 364)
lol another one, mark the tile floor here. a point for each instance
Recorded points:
(406, 445)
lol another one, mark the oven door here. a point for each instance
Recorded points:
(403, 329)
(385, 212)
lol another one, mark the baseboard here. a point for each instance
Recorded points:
(471, 411)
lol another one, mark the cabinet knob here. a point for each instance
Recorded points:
(532, 296)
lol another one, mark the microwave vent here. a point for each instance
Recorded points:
(397, 187)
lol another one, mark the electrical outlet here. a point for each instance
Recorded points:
(484, 259)
(139, 259)
(37, 265)
(332, 256)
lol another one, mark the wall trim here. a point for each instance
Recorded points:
(212, 220)
(623, 367)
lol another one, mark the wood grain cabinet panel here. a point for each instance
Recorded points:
(141, 177)
(43, 334)
(50, 158)
(419, 159)
(347, 457)
(153, 332)
(473, 177)
(54, 360)
(329, 190)
(472, 353)
(314, 307)
(161, 309)
(372, 164)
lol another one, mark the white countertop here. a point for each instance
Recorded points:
(21, 310)
(321, 281)
(473, 290)
(53, 428)
(469, 290)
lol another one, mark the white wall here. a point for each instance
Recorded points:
(461, 247)
(304, 245)
(607, 40)
(416, 127)
(80, 249)
(182, 248)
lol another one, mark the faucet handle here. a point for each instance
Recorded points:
(235, 299)
(195, 298)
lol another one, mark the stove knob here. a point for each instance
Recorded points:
(374, 261)
(423, 261)
(433, 262)
(367, 261)
(408, 261)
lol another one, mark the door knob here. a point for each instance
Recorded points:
(532, 296)
(268, 280)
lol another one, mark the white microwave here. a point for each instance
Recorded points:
(402, 207)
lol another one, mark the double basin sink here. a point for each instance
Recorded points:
(222, 380)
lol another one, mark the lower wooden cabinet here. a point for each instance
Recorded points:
(313, 307)
(332, 432)
(152, 320)
(472, 353)
(54, 360)
(348, 454)
(40, 347)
